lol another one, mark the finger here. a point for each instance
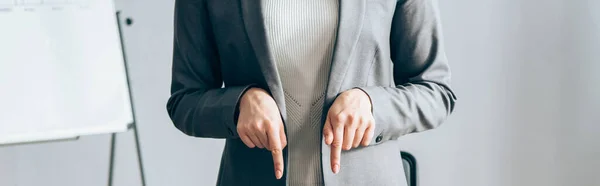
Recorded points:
(349, 131)
(368, 136)
(336, 147)
(275, 147)
(358, 136)
(273, 139)
(247, 141)
(283, 137)
(256, 140)
(278, 162)
(328, 132)
(262, 136)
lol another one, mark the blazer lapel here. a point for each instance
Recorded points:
(255, 28)
(352, 14)
(351, 18)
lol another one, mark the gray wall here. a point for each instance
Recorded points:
(580, 127)
(526, 73)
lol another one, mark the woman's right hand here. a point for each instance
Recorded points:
(260, 125)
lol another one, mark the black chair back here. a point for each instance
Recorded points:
(410, 168)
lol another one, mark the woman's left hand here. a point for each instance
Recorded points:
(349, 124)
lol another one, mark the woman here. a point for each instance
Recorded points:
(315, 91)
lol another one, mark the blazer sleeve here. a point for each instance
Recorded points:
(198, 105)
(421, 98)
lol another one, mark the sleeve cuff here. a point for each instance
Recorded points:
(231, 112)
(378, 101)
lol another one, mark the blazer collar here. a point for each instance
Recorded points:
(351, 16)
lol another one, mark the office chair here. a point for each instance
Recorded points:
(410, 168)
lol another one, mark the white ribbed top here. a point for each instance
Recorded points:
(301, 35)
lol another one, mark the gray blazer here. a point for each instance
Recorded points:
(391, 49)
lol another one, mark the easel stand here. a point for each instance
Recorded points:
(133, 126)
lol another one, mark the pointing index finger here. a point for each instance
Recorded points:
(276, 152)
(336, 147)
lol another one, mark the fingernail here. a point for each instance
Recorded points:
(336, 168)
(278, 174)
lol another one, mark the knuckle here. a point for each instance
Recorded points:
(276, 151)
(350, 116)
(250, 125)
(257, 126)
(362, 120)
(267, 121)
(336, 144)
(331, 112)
(274, 148)
(339, 117)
